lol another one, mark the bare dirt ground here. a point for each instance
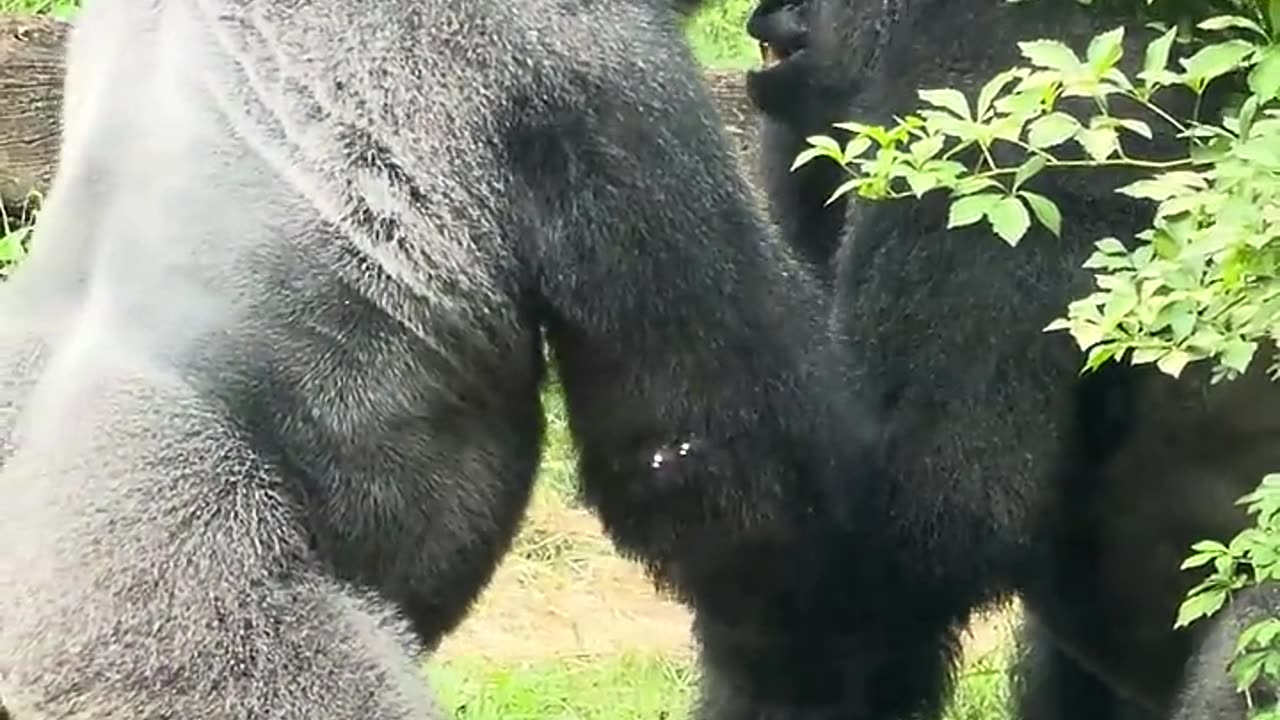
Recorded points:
(564, 592)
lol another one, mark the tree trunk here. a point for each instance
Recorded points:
(31, 69)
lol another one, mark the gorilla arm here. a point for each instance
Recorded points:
(153, 566)
(715, 441)
(798, 203)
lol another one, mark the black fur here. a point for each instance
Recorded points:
(1211, 693)
(269, 379)
(1009, 473)
(810, 224)
(1052, 685)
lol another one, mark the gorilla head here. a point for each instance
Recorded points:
(815, 55)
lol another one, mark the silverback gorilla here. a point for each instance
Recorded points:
(1009, 472)
(270, 376)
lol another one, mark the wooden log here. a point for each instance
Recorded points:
(31, 70)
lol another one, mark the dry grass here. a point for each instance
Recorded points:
(563, 592)
(569, 630)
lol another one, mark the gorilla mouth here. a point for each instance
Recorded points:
(771, 55)
(781, 28)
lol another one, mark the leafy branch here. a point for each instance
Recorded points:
(1202, 282)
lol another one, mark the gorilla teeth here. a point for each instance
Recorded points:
(770, 55)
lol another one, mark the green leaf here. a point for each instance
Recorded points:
(1248, 112)
(1226, 22)
(1145, 355)
(920, 183)
(947, 171)
(972, 184)
(990, 90)
(1260, 635)
(1209, 546)
(1173, 362)
(807, 156)
(1137, 127)
(1106, 49)
(1023, 102)
(927, 147)
(1182, 320)
(1159, 188)
(845, 188)
(856, 128)
(1098, 354)
(824, 142)
(1198, 606)
(856, 147)
(1264, 78)
(1028, 170)
(1197, 560)
(1009, 219)
(1246, 668)
(1218, 59)
(1237, 354)
(1050, 54)
(970, 209)
(1100, 142)
(1052, 129)
(1045, 210)
(948, 99)
(1156, 58)
(1058, 324)
(1115, 81)
(1111, 246)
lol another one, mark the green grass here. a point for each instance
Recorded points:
(628, 687)
(982, 690)
(558, 471)
(58, 8)
(14, 233)
(635, 687)
(719, 38)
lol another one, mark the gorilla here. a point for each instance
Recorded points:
(270, 421)
(1210, 693)
(1006, 471)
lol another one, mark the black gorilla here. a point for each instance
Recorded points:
(269, 380)
(1010, 473)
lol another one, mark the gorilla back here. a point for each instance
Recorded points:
(271, 380)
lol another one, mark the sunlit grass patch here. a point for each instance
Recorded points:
(58, 8)
(629, 686)
(638, 686)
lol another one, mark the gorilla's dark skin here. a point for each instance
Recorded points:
(1009, 473)
(269, 380)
